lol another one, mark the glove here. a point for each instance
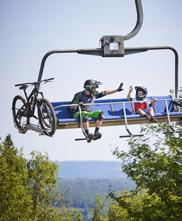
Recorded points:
(81, 104)
(120, 87)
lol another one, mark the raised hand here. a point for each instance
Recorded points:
(120, 87)
(130, 89)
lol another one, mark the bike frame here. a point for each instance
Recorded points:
(31, 103)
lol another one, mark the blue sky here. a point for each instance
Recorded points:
(29, 29)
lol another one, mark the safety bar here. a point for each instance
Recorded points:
(169, 120)
(126, 126)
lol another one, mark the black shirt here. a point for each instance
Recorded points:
(82, 97)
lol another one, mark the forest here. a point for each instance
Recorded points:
(30, 189)
(81, 193)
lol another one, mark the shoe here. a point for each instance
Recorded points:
(147, 117)
(97, 136)
(89, 138)
(153, 120)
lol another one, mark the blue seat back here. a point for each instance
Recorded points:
(62, 112)
(160, 106)
(114, 107)
(117, 107)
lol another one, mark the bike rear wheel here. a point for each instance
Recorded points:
(47, 118)
(20, 113)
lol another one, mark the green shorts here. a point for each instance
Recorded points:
(86, 115)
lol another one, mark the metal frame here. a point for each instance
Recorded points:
(106, 51)
(173, 130)
(128, 51)
(130, 134)
(105, 42)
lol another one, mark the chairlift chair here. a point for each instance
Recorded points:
(117, 111)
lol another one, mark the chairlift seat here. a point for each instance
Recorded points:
(114, 113)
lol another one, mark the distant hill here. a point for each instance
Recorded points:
(90, 170)
(79, 182)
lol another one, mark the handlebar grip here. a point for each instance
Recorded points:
(49, 79)
(17, 85)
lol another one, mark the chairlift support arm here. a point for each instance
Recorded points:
(106, 51)
(128, 51)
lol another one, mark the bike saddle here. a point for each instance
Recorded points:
(23, 87)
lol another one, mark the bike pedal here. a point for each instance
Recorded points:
(89, 138)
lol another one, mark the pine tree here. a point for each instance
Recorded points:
(28, 188)
(15, 198)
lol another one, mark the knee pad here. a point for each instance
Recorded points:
(100, 116)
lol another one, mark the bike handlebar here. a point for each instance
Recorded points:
(35, 83)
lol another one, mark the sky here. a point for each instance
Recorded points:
(29, 29)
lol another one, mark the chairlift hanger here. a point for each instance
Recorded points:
(106, 50)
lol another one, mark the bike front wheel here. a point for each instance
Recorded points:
(20, 113)
(47, 118)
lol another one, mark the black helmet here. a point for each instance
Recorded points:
(143, 89)
(91, 85)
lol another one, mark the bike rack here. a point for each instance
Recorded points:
(36, 128)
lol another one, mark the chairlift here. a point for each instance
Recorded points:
(116, 111)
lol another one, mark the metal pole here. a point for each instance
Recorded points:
(45, 58)
(129, 51)
(139, 22)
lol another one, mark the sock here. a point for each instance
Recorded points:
(87, 131)
(96, 130)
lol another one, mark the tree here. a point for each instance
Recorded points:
(118, 213)
(28, 188)
(136, 206)
(70, 214)
(153, 162)
(42, 184)
(15, 198)
(98, 210)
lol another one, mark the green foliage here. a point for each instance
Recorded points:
(81, 193)
(139, 205)
(42, 184)
(118, 213)
(15, 198)
(28, 188)
(154, 163)
(70, 214)
(98, 210)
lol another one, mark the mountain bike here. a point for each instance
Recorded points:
(34, 106)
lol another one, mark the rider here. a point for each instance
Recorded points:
(140, 106)
(88, 95)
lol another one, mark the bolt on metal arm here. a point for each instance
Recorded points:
(118, 40)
